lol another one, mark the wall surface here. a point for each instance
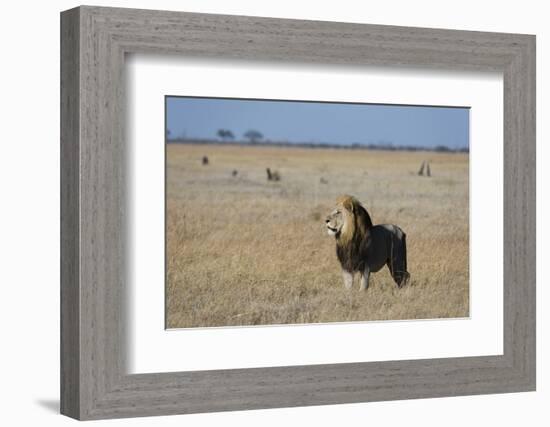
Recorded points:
(29, 224)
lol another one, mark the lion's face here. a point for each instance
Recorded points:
(347, 219)
(336, 221)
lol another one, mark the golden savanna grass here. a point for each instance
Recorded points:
(245, 251)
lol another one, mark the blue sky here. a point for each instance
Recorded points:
(334, 123)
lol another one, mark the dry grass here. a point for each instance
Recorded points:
(245, 251)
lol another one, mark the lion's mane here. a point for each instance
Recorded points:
(353, 241)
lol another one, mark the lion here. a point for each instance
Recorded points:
(364, 248)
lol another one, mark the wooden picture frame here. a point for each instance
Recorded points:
(94, 382)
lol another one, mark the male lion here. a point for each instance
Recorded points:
(365, 248)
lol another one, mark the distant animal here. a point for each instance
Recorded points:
(205, 160)
(272, 175)
(425, 164)
(323, 181)
(235, 172)
(364, 248)
(421, 171)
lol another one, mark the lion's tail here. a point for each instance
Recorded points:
(399, 259)
(405, 253)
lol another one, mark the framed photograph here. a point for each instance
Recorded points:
(261, 213)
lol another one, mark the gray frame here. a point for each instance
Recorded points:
(94, 383)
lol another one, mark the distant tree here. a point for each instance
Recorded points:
(442, 148)
(253, 135)
(168, 133)
(225, 134)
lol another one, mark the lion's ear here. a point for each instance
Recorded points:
(349, 205)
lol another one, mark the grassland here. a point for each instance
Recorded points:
(242, 250)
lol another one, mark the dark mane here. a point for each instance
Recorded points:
(351, 251)
(363, 215)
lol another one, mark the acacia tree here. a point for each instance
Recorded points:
(225, 134)
(253, 135)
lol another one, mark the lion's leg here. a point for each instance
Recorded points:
(348, 279)
(365, 279)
